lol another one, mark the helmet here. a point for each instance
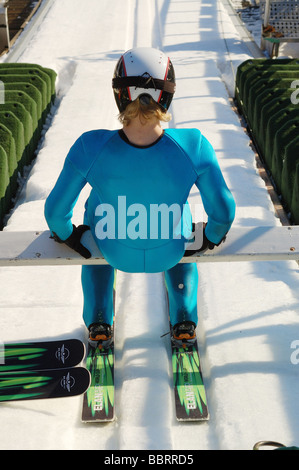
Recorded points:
(143, 71)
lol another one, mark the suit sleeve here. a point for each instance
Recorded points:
(61, 201)
(217, 199)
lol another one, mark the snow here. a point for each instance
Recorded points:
(248, 311)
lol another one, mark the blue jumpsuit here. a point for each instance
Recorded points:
(138, 213)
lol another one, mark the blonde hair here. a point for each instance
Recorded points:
(146, 112)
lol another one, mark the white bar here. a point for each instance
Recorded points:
(242, 244)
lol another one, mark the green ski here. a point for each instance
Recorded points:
(189, 389)
(98, 401)
(39, 355)
(34, 385)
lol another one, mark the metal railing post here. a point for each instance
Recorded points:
(4, 28)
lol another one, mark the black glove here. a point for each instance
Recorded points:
(206, 244)
(73, 241)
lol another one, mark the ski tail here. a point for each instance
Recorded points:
(58, 354)
(34, 385)
(190, 395)
(98, 401)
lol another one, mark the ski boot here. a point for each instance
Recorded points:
(183, 334)
(100, 335)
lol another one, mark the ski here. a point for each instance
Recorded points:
(189, 389)
(41, 355)
(34, 385)
(98, 400)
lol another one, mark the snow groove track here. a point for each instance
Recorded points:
(142, 358)
(248, 314)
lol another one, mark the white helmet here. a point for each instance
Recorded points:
(143, 71)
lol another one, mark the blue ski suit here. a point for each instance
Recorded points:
(138, 213)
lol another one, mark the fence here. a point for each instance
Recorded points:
(27, 92)
(267, 94)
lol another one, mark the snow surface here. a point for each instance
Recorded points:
(248, 311)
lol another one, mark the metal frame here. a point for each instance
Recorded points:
(283, 15)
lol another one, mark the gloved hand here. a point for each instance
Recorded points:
(206, 244)
(73, 241)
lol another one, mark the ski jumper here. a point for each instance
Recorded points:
(138, 213)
